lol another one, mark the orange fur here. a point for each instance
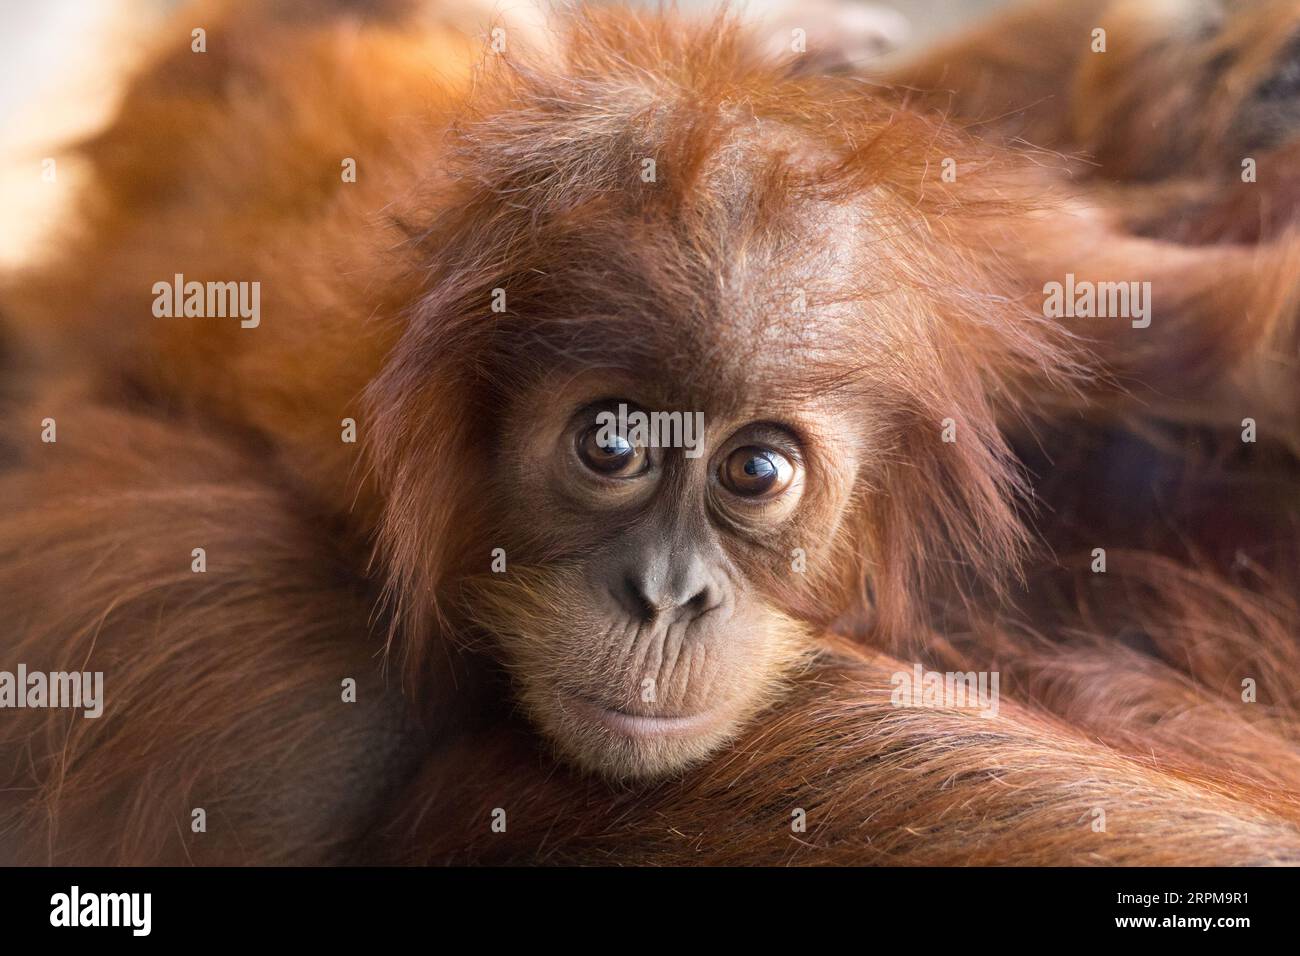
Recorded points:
(183, 433)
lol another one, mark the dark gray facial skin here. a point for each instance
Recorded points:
(669, 629)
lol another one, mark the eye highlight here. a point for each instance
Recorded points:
(753, 471)
(610, 454)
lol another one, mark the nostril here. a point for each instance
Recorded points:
(702, 601)
(638, 603)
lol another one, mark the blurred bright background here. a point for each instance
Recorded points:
(62, 62)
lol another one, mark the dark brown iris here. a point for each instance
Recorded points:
(754, 472)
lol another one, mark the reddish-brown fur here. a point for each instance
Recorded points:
(223, 688)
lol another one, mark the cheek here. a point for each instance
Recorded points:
(531, 521)
(797, 556)
(548, 510)
(791, 566)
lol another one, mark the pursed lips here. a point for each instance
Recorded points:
(641, 725)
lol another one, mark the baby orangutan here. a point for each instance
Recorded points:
(643, 387)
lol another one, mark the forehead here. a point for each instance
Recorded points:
(753, 356)
(730, 320)
(761, 359)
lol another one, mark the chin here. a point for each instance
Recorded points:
(636, 747)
